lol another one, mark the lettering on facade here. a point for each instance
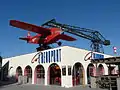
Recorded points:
(92, 55)
(47, 56)
(98, 56)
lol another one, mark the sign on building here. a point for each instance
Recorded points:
(48, 56)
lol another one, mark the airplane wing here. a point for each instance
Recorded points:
(54, 38)
(30, 27)
(66, 37)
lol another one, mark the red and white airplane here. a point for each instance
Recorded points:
(44, 36)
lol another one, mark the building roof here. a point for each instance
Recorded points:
(110, 60)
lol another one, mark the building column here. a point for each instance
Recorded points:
(106, 70)
(46, 77)
(33, 76)
(85, 75)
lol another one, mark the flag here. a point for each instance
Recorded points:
(115, 49)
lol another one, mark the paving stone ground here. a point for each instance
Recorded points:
(40, 87)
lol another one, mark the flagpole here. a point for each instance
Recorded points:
(115, 55)
(115, 50)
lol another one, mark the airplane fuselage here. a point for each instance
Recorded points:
(41, 39)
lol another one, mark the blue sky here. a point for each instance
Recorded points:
(101, 15)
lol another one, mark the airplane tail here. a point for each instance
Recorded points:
(28, 35)
(26, 38)
(22, 38)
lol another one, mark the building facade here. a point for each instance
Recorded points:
(65, 66)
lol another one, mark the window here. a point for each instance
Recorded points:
(69, 70)
(63, 70)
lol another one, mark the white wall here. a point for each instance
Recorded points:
(69, 56)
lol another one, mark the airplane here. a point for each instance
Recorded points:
(44, 36)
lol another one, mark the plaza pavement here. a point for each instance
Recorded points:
(41, 87)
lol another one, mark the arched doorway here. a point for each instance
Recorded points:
(28, 73)
(78, 74)
(18, 72)
(90, 72)
(39, 76)
(101, 70)
(54, 74)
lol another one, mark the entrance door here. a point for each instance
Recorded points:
(77, 74)
(40, 75)
(90, 72)
(28, 73)
(101, 70)
(18, 72)
(54, 72)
